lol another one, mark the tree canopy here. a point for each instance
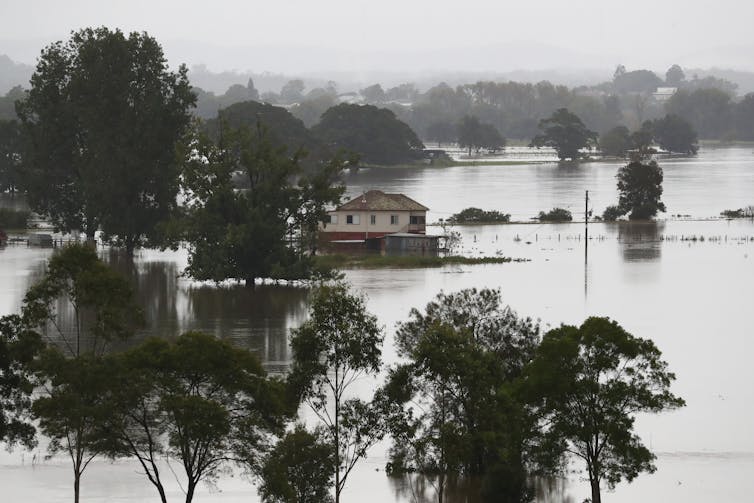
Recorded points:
(590, 382)
(564, 132)
(268, 229)
(339, 343)
(375, 134)
(100, 126)
(640, 189)
(283, 129)
(478, 135)
(675, 134)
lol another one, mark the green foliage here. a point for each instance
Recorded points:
(283, 130)
(616, 142)
(589, 383)
(375, 134)
(8, 102)
(637, 81)
(244, 234)
(18, 348)
(640, 190)
(299, 469)
(555, 215)
(674, 77)
(564, 132)
(478, 135)
(13, 219)
(10, 156)
(339, 343)
(463, 357)
(100, 125)
(675, 134)
(747, 212)
(708, 110)
(744, 118)
(476, 215)
(612, 213)
(441, 132)
(310, 110)
(197, 400)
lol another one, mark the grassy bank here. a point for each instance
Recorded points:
(374, 261)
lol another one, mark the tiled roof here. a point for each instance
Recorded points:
(376, 200)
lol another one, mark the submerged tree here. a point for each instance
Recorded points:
(100, 126)
(339, 343)
(461, 417)
(640, 189)
(267, 230)
(299, 469)
(675, 134)
(197, 400)
(81, 305)
(590, 382)
(564, 132)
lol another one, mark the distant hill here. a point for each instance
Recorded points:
(13, 74)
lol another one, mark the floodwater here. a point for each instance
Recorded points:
(685, 282)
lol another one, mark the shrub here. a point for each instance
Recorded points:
(476, 215)
(555, 215)
(612, 213)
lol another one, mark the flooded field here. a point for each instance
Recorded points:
(685, 282)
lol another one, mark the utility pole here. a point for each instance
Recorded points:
(586, 225)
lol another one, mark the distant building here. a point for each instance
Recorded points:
(374, 214)
(663, 94)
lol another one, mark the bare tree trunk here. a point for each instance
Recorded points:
(596, 498)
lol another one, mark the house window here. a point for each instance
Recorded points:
(352, 219)
(393, 219)
(331, 219)
(416, 220)
(373, 219)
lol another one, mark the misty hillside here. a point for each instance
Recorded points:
(13, 74)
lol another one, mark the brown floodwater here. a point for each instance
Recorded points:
(687, 283)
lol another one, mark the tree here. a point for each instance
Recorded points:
(292, 91)
(299, 469)
(338, 344)
(477, 135)
(100, 125)
(564, 132)
(441, 132)
(616, 142)
(373, 94)
(19, 346)
(463, 357)
(675, 134)
(636, 81)
(744, 116)
(709, 110)
(74, 380)
(249, 234)
(642, 139)
(197, 400)
(282, 129)
(10, 158)
(590, 382)
(640, 189)
(674, 77)
(375, 134)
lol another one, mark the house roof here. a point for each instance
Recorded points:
(376, 200)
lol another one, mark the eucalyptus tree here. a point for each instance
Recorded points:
(339, 344)
(590, 382)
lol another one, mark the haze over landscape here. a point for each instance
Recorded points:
(391, 42)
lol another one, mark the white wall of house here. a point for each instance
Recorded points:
(372, 221)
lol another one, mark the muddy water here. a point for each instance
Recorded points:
(687, 284)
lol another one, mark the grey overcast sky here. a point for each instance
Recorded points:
(398, 35)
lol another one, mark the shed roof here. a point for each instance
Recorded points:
(376, 200)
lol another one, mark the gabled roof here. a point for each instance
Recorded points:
(376, 200)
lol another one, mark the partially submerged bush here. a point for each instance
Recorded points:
(612, 213)
(555, 215)
(477, 215)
